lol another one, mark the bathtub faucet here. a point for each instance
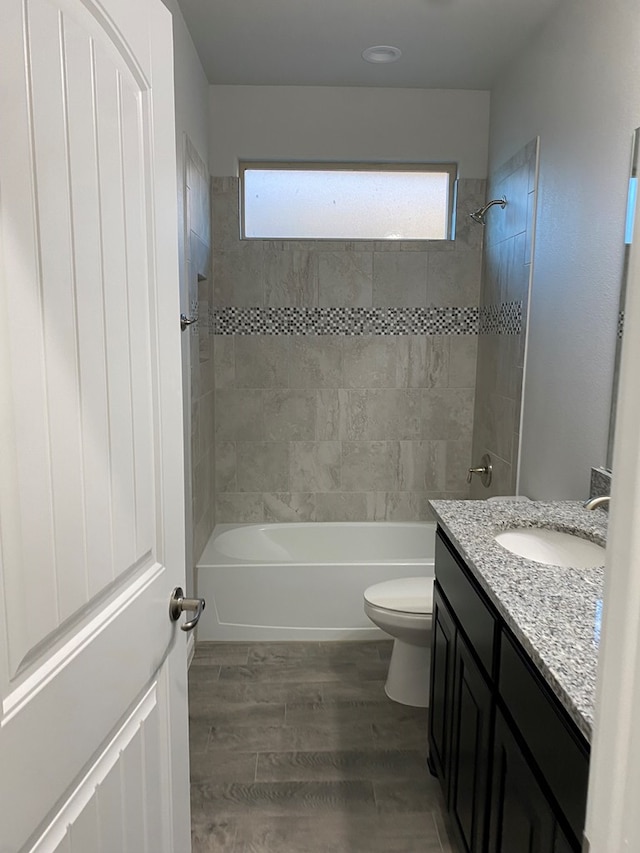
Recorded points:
(484, 471)
(594, 503)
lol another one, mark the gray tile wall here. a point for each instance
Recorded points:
(600, 483)
(337, 427)
(340, 428)
(505, 281)
(198, 250)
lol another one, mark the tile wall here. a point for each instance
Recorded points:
(365, 420)
(503, 316)
(600, 483)
(198, 269)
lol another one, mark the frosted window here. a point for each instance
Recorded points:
(346, 205)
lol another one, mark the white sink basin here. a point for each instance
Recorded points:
(552, 547)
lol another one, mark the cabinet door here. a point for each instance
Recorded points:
(442, 648)
(561, 845)
(521, 820)
(470, 750)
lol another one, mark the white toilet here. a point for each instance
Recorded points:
(403, 608)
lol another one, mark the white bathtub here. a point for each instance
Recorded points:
(303, 581)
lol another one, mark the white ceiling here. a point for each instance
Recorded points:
(449, 44)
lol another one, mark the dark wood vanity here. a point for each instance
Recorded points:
(512, 764)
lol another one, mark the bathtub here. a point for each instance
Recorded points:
(303, 581)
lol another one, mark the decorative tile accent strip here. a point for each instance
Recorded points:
(345, 321)
(504, 319)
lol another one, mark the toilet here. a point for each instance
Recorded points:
(403, 608)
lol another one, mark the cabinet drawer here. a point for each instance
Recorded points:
(472, 614)
(547, 733)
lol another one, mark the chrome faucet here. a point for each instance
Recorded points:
(594, 503)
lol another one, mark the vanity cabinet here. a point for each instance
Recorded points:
(512, 765)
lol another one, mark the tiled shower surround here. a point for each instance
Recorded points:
(346, 405)
(505, 283)
(334, 428)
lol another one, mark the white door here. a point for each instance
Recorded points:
(93, 722)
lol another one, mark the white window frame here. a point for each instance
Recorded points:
(315, 166)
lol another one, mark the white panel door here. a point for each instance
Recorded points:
(93, 720)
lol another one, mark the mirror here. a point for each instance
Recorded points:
(632, 196)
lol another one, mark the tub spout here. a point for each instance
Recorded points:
(594, 503)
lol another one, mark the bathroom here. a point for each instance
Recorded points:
(502, 341)
(549, 94)
(546, 96)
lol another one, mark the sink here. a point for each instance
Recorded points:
(552, 547)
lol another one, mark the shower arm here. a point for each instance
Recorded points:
(479, 214)
(501, 201)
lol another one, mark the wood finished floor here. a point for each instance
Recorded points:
(296, 749)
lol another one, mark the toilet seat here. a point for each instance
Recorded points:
(403, 595)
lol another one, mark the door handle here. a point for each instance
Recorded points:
(178, 603)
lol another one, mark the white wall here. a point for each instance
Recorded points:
(349, 124)
(192, 118)
(578, 87)
(191, 89)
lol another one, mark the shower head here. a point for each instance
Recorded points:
(479, 214)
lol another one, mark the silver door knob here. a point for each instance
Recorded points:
(178, 603)
(186, 321)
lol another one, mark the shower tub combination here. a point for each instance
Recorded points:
(304, 581)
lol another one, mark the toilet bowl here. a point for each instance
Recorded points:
(403, 608)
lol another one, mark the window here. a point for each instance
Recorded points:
(321, 201)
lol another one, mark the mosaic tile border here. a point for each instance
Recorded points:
(504, 319)
(345, 321)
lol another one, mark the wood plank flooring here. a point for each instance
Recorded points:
(295, 748)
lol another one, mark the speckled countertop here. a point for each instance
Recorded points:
(551, 610)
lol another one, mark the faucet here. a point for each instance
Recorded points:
(594, 503)
(485, 471)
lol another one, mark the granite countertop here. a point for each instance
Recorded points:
(553, 611)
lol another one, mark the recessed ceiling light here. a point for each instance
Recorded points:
(382, 53)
